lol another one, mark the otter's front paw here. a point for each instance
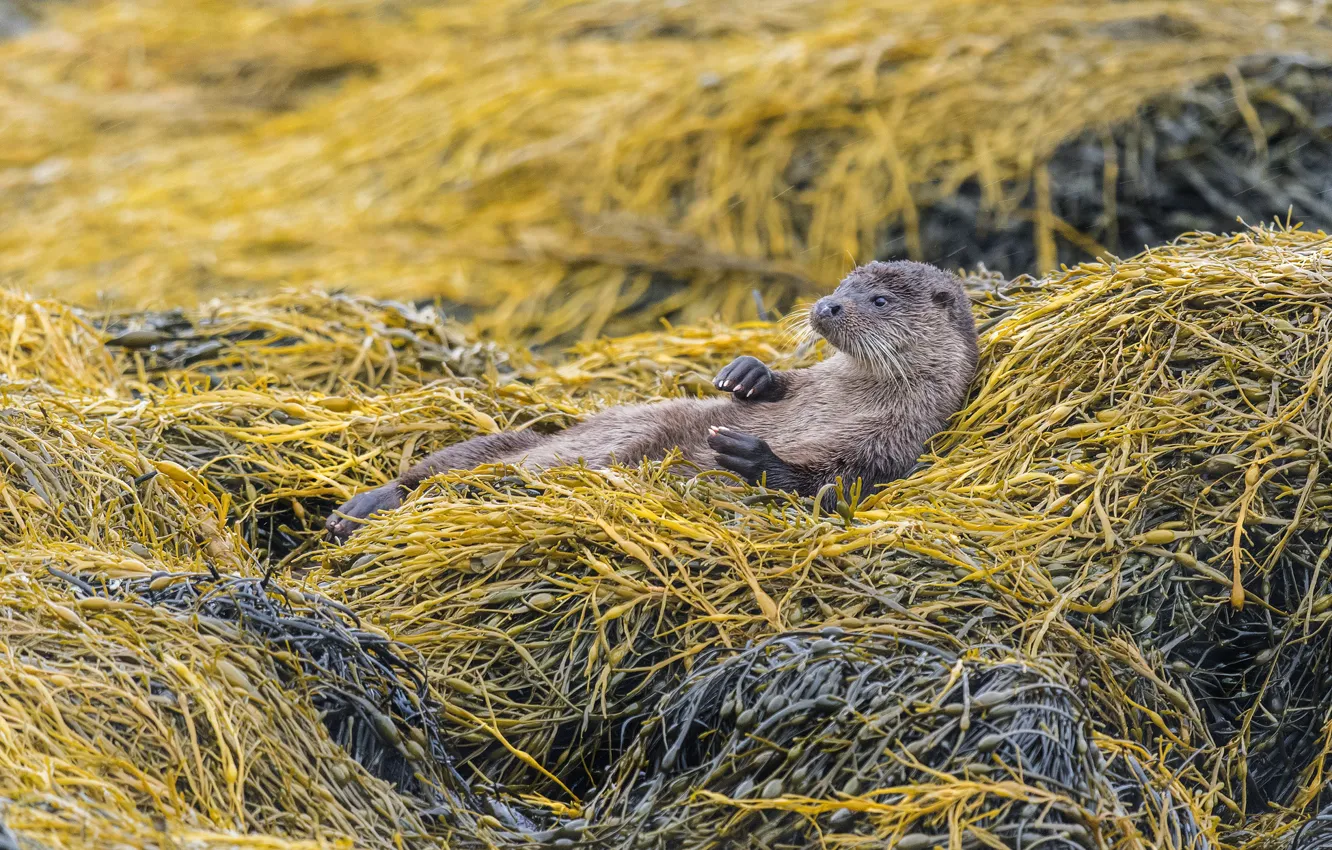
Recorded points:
(345, 520)
(741, 453)
(748, 378)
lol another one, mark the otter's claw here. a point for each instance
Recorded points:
(747, 378)
(741, 453)
(346, 519)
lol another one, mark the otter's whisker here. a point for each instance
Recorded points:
(796, 323)
(889, 360)
(797, 334)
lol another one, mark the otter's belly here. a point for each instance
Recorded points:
(806, 427)
(629, 434)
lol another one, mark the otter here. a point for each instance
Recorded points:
(904, 357)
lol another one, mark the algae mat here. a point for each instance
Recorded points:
(1099, 617)
(566, 168)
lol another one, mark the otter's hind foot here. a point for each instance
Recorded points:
(346, 519)
(748, 378)
(747, 456)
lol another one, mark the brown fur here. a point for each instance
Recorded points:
(901, 369)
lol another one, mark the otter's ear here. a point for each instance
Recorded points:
(942, 298)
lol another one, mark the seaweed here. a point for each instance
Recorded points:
(1250, 145)
(849, 739)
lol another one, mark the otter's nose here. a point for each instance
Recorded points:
(827, 309)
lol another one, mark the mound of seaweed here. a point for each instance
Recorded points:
(371, 698)
(557, 171)
(843, 740)
(134, 724)
(1177, 441)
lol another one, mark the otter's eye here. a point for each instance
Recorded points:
(880, 301)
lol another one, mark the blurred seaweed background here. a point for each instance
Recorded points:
(256, 255)
(559, 169)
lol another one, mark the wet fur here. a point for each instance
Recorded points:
(865, 413)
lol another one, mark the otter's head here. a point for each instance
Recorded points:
(902, 320)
